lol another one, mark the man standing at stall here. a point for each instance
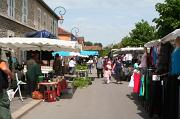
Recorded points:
(33, 71)
(99, 67)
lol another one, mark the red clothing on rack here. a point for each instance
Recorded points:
(137, 81)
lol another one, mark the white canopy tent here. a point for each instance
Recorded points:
(171, 36)
(19, 44)
(40, 44)
(132, 49)
(152, 43)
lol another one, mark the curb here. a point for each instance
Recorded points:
(23, 110)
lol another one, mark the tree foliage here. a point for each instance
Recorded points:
(169, 17)
(104, 52)
(88, 43)
(98, 44)
(141, 34)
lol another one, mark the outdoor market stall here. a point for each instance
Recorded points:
(155, 85)
(39, 44)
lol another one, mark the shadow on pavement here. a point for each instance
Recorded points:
(68, 93)
(140, 106)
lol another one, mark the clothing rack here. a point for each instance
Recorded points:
(163, 74)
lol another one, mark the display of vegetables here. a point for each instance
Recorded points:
(81, 82)
(81, 67)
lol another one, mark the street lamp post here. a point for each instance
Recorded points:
(61, 11)
(75, 30)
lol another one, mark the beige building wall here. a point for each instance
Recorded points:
(21, 19)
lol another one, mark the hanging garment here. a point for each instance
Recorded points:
(173, 94)
(142, 86)
(154, 56)
(137, 82)
(148, 78)
(175, 62)
(155, 98)
(164, 59)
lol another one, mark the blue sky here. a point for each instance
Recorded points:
(105, 21)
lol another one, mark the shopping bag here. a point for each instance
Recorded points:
(131, 83)
(10, 93)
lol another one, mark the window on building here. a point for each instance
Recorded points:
(52, 28)
(55, 27)
(44, 21)
(24, 11)
(0, 5)
(39, 18)
(11, 8)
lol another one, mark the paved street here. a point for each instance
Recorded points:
(98, 101)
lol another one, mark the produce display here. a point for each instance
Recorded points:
(81, 82)
(81, 67)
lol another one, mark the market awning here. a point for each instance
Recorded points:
(61, 53)
(171, 36)
(89, 53)
(152, 43)
(40, 44)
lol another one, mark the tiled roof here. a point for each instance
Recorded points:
(80, 40)
(61, 31)
(92, 48)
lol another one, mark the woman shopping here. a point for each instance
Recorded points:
(107, 70)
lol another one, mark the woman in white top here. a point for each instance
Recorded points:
(90, 65)
(72, 65)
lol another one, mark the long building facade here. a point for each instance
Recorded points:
(18, 17)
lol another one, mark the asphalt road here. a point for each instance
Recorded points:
(98, 101)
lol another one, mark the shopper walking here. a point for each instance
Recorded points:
(5, 75)
(90, 65)
(117, 68)
(107, 70)
(99, 67)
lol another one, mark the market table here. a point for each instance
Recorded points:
(56, 89)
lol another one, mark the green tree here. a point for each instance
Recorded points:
(98, 44)
(104, 52)
(141, 34)
(169, 17)
(88, 43)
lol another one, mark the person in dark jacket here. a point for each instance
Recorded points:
(57, 65)
(118, 70)
(99, 67)
(33, 72)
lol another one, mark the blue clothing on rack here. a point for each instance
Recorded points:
(175, 62)
(154, 55)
